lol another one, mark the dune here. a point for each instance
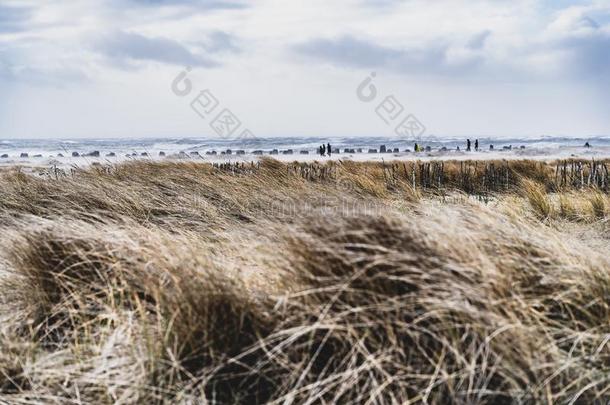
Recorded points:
(343, 282)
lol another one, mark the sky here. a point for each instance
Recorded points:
(153, 68)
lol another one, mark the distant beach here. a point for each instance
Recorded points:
(85, 152)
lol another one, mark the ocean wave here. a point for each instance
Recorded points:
(174, 145)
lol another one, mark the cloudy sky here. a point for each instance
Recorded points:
(105, 68)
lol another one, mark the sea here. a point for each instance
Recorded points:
(13, 148)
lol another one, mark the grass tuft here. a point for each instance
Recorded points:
(186, 283)
(538, 199)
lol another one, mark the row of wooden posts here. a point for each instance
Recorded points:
(481, 177)
(473, 177)
(579, 174)
(237, 167)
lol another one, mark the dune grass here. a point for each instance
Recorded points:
(185, 283)
(538, 199)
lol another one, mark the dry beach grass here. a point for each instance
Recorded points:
(274, 283)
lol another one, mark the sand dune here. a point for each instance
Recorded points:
(184, 283)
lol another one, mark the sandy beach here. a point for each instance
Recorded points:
(546, 154)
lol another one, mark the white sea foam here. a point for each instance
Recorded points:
(442, 148)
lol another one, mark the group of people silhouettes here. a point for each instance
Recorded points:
(469, 145)
(323, 150)
(419, 148)
(326, 150)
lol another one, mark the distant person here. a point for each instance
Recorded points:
(323, 150)
(476, 145)
(416, 147)
(587, 145)
(328, 149)
(458, 148)
(491, 147)
(468, 145)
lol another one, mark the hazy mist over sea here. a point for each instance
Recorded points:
(176, 145)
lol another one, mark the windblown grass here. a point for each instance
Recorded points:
(567, 208)
(179, 283)
(598, 205)
(538, 199)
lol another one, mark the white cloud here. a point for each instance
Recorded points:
(292, 67)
